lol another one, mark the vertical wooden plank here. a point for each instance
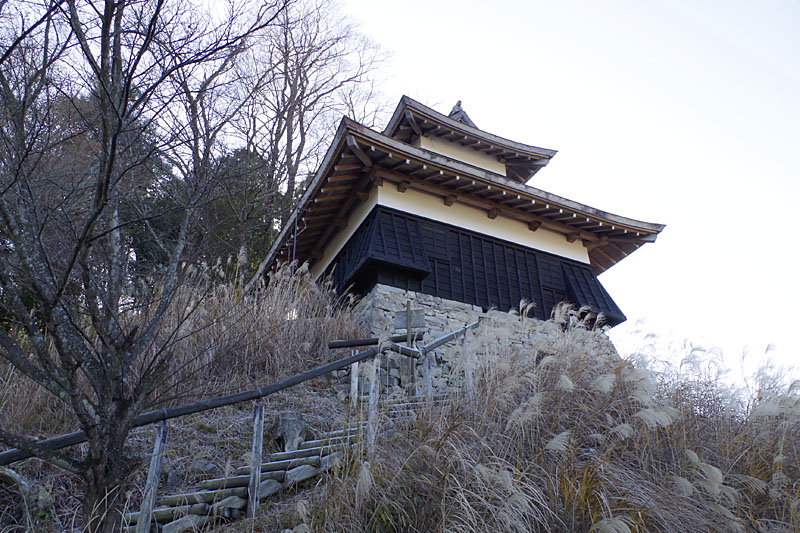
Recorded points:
(354, 383)
(153, 475)
(372, 418)
(412, 370)
(255, 459)
(426, 375)
(467, 366)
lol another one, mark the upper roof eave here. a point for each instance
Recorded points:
(409, 104)
(472, 171)
(366, 135)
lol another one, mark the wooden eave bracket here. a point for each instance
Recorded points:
(572, 237)
(534, 225)
(413, 123)
(370, 180)
(402, 186)
(358, 152)
(491, 208)
(450, 199)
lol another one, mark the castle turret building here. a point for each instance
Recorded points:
(435, 205)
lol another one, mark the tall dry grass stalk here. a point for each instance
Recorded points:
(225, 340)
(562, 434)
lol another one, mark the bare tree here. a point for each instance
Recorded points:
(261, 120)
(87, 93)
(312, 68)
(317, 62)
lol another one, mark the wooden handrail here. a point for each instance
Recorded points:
(13, 455)
(62, 441)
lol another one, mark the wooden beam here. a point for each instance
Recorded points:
(329, 198)
(153, 476)
(343, 167)
(366, 182)
(492, 213)
(572, 237)
(362, 156)
(617, 248)
(340, 221)
(403, 186)
(255, 459)
(343, 177)
(413, 123)
(611, 260)
(449, 200)
(336, 188)
(373, 179)
(362, 195)
(533, 225)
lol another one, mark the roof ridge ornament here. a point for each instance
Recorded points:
(458, 114)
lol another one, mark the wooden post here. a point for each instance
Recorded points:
(426, 375)
(151, 487)
(412, 370)
(255, 459)
(372, 418)
(354, 384)
(467, 366)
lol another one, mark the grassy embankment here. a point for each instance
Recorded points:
(560, 434)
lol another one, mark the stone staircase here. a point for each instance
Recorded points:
(225, 498)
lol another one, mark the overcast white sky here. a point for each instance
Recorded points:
(677, 112)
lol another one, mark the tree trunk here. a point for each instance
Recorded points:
(102, 508)
(108, 469)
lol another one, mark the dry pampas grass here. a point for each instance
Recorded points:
(561, 434)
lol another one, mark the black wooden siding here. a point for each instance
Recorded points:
(414, 253)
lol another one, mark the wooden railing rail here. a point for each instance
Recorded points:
(62, 441)
(70, 439)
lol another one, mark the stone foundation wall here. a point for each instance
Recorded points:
(380, 306)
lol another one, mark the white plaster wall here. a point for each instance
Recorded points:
(355, 219)
(516, 231)
(462, 153)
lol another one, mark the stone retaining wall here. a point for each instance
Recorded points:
(503, 330)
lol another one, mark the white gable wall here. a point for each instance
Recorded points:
(461, 153)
